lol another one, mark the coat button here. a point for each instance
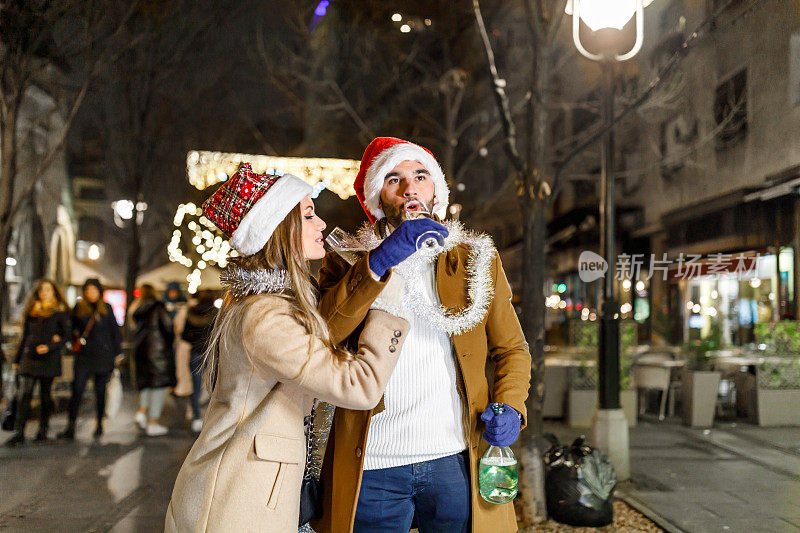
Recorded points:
(395, 341)
(397, 333)
(392, 349)
(358, 452)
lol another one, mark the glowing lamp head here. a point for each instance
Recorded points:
(602, 14)
(124, 209)
(93, 253)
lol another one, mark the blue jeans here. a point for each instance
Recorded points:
(436, 493)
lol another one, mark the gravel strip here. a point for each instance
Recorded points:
(626, 518)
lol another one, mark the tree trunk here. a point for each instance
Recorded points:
(38, 241)
(533, 310)
(535, 205)
(8, 175)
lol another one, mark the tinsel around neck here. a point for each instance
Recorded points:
(243, 282)
(480, 285)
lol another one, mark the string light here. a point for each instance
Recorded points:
(206, 168)
(196, 232)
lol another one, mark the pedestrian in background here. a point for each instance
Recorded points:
(174, 299)
(98, 348)
(196, 331)
(177, 306)
(46, 328)
(154, 357)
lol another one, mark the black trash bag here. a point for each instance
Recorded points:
(579, 484)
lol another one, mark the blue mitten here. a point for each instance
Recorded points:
(401, 243)
(502, 429)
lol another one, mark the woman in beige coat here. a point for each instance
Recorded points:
(269, 356)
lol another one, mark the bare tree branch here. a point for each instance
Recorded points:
(56, 147)
(500, 94)
(559, 11)
(348, 107)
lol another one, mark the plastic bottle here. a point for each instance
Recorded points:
(498, 471)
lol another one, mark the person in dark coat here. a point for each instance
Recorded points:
(154, 357)
(94, 322)
(45, 330)
(197, 331)
(174, 298)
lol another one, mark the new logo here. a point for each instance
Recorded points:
(591, 266)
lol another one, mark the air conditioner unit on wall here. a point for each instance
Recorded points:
(678, 134)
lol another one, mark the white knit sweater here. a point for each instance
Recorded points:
(422, 420)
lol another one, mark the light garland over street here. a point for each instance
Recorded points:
(209, 168)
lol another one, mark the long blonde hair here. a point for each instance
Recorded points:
(284, 250)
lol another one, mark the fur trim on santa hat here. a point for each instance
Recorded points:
(389, 158)
(260, 222)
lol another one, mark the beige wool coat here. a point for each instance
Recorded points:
(244, 471)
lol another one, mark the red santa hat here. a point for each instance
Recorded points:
(248, 207)
(380, 157)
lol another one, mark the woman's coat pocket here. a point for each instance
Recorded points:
(285, 451)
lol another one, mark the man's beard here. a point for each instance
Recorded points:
(396, 214)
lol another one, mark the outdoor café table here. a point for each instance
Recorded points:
(656, 372)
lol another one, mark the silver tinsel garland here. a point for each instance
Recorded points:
(242, 282)
(480, 289)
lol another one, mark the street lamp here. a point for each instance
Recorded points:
(126, 209)
(601, 15)
(609, 16)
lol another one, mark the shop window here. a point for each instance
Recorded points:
(716, 5)
(730, 110)
(585, 192)
(90, 229)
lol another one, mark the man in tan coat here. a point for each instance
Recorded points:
(414, 457)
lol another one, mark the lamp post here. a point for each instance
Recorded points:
(609, 16)
(125, 210)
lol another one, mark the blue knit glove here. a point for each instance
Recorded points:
(502, 429)
(401, 243)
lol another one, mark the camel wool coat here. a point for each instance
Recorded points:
(244, 471)
(493, 364)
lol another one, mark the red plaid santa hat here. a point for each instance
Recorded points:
(380, 157)
(248, 207)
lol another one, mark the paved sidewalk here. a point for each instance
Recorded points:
(121, 483)
(732, 478)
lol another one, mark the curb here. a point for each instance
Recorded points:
(659, 520)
